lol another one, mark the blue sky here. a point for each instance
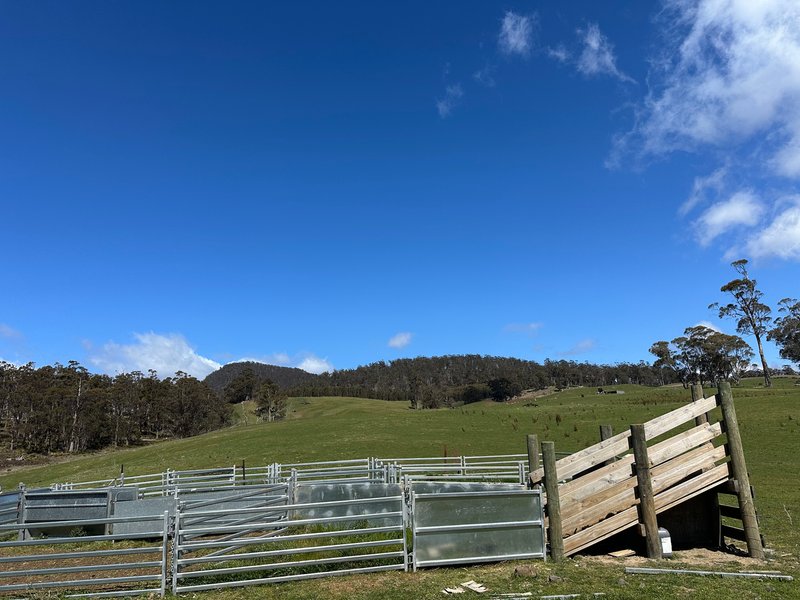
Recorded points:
(325, 185)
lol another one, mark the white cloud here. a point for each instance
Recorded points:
(484, 76)
(452, 96)
(700, 188)
(781, 238)
(581, 347)
(559, 53)
(305, 361)
(527, 328)
(731, 70)
(9, 332)
(597, 57)
(516, 34)
(166, 354)
(316, 365)
(741, 209)
(400, 340)
(708, 324)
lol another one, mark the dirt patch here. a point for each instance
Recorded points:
(698, 557)
(530, 395)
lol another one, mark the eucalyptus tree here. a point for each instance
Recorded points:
(752, 316)
(786, 332)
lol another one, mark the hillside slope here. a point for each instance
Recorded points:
(284, 377)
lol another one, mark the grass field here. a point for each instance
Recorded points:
(340, 428)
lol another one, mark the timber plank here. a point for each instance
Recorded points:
(629, 517)
(623, 495)
(734, 532)
(590, 484)
(571, 465)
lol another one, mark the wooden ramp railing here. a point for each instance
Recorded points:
(601, 491)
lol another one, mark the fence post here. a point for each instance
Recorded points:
(697, 394)
(606, 431)
(533, 454)
(165, 544)
(553, 502)
(647, 507)
(739, 468)
(176, 553)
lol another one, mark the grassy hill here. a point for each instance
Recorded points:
(339, 428)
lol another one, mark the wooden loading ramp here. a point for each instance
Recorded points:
(603, 490)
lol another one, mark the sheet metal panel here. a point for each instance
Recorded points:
(51, 506)
(141, 508)
(335, 492)
(477, 526)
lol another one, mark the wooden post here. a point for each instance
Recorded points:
(697, 394)
(553, 503)
(606, 432)
(533, 455)
(739, 468)
(647, 506)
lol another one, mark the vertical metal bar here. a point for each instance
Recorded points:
(22, 513)
(739, 468)
(176, 552)
(413, 532)
(406, 524)
(647, 505)
(164, 546)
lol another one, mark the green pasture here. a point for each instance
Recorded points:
(341, 428)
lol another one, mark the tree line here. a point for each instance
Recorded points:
(432, 382)
(702, 354)
(65, 408)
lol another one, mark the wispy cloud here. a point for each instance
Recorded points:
(164, 353)
(484, 76)
(516, 34)
(9, 333)
(780, 238)
(727, 83)
(597, 56)
(730, 70)
(715, 183)
(526, 328)
(741, 209)
(708, 324)
(452, 96)
(305, 360)
(400, 340)
(582, 347)
(559, 53)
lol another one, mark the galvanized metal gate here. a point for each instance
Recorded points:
(287, 543)
(90, 565)
(476, 526)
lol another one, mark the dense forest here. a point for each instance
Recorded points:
(283, 377)
(447, 380)
(67, 409)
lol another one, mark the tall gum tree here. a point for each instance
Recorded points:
(786, 333)
(752, 316)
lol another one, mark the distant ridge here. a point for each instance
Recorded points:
(284, 377)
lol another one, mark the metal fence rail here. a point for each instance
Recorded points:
(86, 562)
(369, 538)
(497, 467)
